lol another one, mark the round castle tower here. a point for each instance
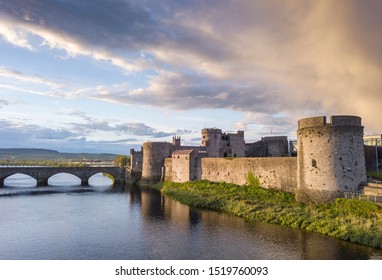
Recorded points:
(331, 157)
(154, 154)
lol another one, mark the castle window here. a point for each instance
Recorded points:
(314, 163)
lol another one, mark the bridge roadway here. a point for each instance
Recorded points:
(42, 174)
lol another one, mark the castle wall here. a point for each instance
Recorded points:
(168, 169)
(330, 159)
(181, 169)
(136, 159)
(237, 143)
(276, 173)
(276, 146)
(272, 146)
(186, 166)
(330, 156)
(154, 154)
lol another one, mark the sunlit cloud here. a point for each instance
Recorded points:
(274, 61)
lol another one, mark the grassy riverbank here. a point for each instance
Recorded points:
(350, 220)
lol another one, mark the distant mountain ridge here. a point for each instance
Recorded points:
(46, 154)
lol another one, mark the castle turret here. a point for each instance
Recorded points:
(211, 139)
(330, 157)
(154, 154)
(176, 141)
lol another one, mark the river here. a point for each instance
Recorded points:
(67, 221)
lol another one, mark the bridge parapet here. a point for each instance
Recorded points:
(42, 174)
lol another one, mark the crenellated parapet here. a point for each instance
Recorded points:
(334, 121)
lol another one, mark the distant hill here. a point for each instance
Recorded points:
(45, 154)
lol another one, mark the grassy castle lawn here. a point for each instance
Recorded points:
(351, 220)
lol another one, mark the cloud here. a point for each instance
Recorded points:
(130, 128)
(3, 103)
(90, 125)
(27, 131)
(263, 57)
(17, 81)
(266, 125)
(22, 135)
(80, 28)
(78, 137)
(13, 74)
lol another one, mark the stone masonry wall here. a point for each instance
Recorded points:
(277, 173)
(181, 168)
(168, 169)
(330, 157)
(154, 154)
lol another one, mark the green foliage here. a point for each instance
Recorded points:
(121, 160)
(158, 186)
(351, 220)
(252, 180)
(109, 176)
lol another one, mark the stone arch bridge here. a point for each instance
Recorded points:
(42, 174)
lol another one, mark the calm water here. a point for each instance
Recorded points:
(66, 221)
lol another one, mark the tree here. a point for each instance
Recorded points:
(120, 161)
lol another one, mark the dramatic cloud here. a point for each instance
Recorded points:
(275, 60)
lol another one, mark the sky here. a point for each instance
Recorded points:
(105, 76)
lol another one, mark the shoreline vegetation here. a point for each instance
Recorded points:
(349, 220)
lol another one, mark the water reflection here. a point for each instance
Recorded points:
(20, 181)
(140, 223)
(64, 179)
(202, 234)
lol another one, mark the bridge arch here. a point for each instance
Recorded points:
(20, 180)
(101, 179)
(42, 174)
(64, 179)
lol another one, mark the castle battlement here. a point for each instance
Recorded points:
(334, 121)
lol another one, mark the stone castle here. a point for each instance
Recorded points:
(330, 159)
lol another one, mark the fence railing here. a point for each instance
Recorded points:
(361, 196)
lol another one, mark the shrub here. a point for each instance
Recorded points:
(252, 180)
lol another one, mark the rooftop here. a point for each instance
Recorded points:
(182, 152)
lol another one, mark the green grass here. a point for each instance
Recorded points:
(350, 220)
